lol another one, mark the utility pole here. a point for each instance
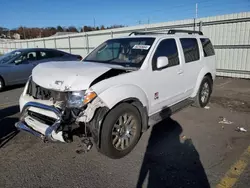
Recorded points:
(196, 15)
(24, 33)
(196, 10)
(148, 21)
(94, 22)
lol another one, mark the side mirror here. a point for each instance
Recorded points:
(162, 62)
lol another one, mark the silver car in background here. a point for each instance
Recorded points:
(16, 66)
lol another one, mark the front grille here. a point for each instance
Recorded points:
(42, 118)
(38, 92)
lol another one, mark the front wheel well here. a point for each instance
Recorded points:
(142, 109)
(2, 80)
(96, 124)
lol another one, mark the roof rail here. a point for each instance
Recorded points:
(145, 33)
(171, 31)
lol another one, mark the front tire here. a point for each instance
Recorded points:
(120, 131)
(204, 92)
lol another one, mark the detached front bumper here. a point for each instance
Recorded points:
(38, 128)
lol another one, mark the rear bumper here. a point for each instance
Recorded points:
(40, 129)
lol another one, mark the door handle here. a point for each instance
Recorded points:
(180, 72)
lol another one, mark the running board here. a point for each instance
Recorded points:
(168, 111)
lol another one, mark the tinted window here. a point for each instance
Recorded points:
(31, 56)
(26, 58)
(190, 49)
(49, 54)
(207, 47)
(168, 49)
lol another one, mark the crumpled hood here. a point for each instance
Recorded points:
(68, 75)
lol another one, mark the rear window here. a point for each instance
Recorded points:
(208, 48)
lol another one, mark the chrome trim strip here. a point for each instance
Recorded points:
(22, 125)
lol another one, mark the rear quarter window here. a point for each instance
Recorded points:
(208, 48)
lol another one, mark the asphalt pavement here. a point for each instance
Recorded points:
(191, 149)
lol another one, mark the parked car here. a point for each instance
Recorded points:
(16, 66)
(120, 89)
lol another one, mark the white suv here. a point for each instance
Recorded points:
(120, 89)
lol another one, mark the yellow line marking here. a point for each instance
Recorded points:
(235, 171)
(8, 104)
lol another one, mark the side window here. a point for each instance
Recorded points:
(48, 54)
(26, 58)
(43, 55)
(208, 48)
(168, 49)
(190, 49)
(31, 56)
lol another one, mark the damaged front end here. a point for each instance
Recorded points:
(59, 116)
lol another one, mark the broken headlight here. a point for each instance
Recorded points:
(78, 99)
(75, 99)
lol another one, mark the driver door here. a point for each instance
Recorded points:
(23, 67)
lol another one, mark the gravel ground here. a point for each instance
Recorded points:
(189, 150)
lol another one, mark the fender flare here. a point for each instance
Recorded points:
(114, 95)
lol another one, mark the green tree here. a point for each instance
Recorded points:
(59, 28)
(102, 27)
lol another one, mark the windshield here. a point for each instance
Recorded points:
(9, 56)
(129, 52)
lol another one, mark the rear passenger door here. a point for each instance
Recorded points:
(192, 63)
(166, 84)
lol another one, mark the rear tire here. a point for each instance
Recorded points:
(2, 85)
(120, 131)
(203, 96)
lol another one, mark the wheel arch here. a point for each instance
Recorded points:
(138, 100)
(117, 94)
(4, 82)
(142, 110)
(96, 124)
(204, 72)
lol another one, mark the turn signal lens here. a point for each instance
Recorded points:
(89, 97)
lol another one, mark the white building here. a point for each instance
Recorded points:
(16, 36)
